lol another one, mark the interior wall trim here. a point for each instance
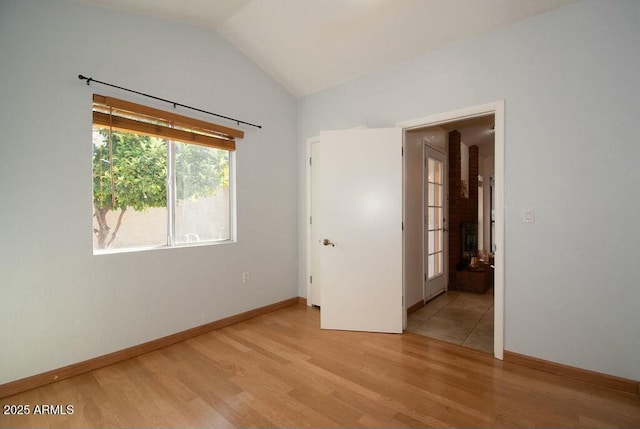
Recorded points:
(415, 307)
(593, 377)
(14, 387)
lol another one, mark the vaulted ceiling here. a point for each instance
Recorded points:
(310, 45)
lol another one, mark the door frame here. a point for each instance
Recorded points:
(309, 274)
(497, 108)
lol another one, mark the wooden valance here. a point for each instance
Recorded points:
(121, 115)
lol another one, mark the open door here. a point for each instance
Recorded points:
(357, 213)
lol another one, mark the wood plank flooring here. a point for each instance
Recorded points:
(281, 370)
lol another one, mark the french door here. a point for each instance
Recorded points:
(435, 206)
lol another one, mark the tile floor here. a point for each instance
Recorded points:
(460, 318)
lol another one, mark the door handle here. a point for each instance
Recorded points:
(326, 242)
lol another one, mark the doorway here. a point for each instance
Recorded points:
(459, 311)
(497, 110)
(409, 266)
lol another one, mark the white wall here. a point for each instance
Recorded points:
(572, 89)
(413, 215)
(59, 303)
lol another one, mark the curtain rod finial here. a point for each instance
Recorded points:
(83, 77)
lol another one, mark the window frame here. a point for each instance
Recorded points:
(129, 117)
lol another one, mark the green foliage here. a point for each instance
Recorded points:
(200, 171)
(136, 169)
(139, 172)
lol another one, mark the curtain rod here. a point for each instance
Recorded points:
(175, 104)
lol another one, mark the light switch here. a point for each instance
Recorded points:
(528, 216)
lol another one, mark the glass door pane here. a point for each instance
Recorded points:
(434, 210)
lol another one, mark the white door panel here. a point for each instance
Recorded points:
(358, 209)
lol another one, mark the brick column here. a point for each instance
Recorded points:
(455, 204)
(461, 209)
(474, 161)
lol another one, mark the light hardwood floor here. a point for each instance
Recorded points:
(281, 370)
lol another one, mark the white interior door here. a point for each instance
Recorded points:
(434, 229)
(357, 214)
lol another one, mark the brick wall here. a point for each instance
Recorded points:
(461, 209)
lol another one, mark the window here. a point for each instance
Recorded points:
(159, 179)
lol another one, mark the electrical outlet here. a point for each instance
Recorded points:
(246, 278)
(528, 215)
